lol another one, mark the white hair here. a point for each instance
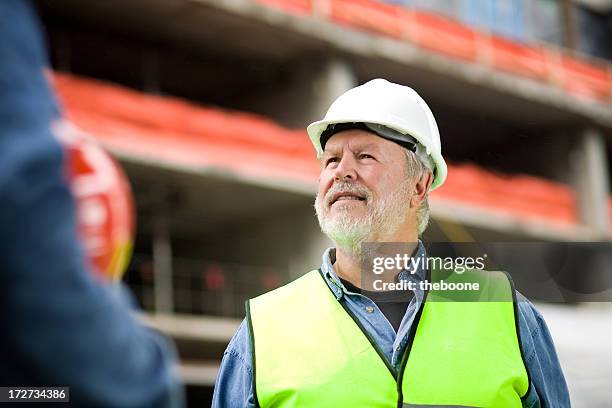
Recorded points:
(416, 168)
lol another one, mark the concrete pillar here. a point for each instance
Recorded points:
(306, 95)
(568, 22)
(592, 184)
(162, 266)
(335, 78)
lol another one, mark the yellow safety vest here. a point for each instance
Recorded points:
(463, 350)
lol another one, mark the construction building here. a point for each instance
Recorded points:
(205, 103)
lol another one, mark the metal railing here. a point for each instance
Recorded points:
(203, 287)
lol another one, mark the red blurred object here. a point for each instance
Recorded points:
(104, 203)
(271, 280)
(214, 277)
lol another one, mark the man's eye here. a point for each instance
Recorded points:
(365, 156)
(331, 160)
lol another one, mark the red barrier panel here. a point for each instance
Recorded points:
(166, 129)
(444, 36)
(453, 39)
(584, 79)
(171, 130)
(521, 59)
(519, 195)
(297, 7)
(381, 18)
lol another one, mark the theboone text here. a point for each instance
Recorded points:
(424, 285)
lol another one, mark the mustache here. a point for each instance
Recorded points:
(346, 187)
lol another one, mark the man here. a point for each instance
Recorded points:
(60, 326)
(321, 341)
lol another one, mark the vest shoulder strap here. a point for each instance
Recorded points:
(472, 285)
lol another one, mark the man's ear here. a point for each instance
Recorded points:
(421, 188)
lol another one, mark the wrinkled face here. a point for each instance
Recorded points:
(364, 192)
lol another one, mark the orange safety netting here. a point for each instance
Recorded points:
(176, 131)
(171, 130)
(521, 195)
(578, 76)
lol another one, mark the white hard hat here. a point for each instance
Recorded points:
(398, 107)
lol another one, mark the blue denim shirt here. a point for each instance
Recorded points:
(234, 387)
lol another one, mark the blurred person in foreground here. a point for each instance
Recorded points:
(329, 340)
(60, 326)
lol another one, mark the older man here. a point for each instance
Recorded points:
(328, 339)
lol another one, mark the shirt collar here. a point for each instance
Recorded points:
(333, 281)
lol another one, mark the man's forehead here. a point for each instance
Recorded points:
(354, 138)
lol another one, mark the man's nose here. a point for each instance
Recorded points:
(345, 169)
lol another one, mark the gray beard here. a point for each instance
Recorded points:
(382, 221)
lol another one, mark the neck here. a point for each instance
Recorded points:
(348, 264)
(348, 267)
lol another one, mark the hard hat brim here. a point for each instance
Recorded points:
(315, 130)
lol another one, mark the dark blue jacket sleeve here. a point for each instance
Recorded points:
(60, 327)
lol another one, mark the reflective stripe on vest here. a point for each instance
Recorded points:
(309, 351)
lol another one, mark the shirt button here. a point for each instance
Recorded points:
(369, 309)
